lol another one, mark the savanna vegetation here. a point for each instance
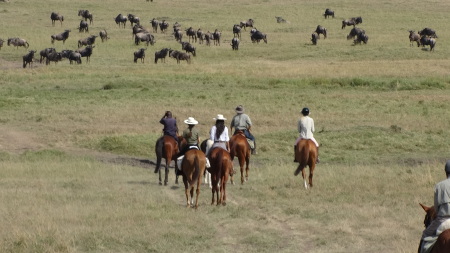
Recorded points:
(77, 141)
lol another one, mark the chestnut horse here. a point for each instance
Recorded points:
(166, 147)
(193, 167)
(221, 168)
(239, 147)
(442, 244)
(306, 155)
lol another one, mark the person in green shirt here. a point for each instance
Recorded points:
(191, 135)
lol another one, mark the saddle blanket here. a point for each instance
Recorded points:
(428, 242)
(180, 160)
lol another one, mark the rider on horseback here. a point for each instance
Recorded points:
(170, 125)
(441, 205)
(191, 135)
(242, 122)
(305, 127)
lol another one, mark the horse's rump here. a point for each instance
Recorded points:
(305, 154)
(193, 165)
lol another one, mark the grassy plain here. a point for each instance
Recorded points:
(72, 136)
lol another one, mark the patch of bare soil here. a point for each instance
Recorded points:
(16, 141)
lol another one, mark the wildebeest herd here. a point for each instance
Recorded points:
(425, 37)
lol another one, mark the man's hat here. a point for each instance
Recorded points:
(239, 109)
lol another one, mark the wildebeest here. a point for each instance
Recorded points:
(216, 36)
(155, 24)
(45, 52)
(163, 26)
(86, 52)
(328, 13)
(87, 41)
(1, 43)
(84, 27)
(138, 29)
(428, 32)
(256, 36)
(146, 37)
(103, 35)
(188, 47)
(28, 58)
(200, 35)
(248, 23)
(72, 56)
(208, 38)
(355, 32)
(179, 56)
(61, 36)
(237, 31)
(280, 20)
(86, 15)
(235, 44)
(54, 57)
(121, 19)
(428, 41)
(161, 54)
(321, 30)
(190, 32)
(133, 19)
(140, 54)
(361, 37)
(413, 36)
(56, 16)
(178, 34)
(352, 21)
(314, 38)
(18, 42)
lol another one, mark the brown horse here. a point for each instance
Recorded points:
(239, 147)
(442, 244)
(166, 147)
(221, 168)
(193, 167)
(306, 155)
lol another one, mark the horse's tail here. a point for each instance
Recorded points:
(196, 174)
(159, 153)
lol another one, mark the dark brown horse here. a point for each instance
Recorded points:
(306, 154)
(239, 147)
(166, 147)
(221, 168)
(442, 244)
(193, 167)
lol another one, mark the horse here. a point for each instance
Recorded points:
(239, 147)
(306, 155)
(443, 241)
(193, 167)
(166, 147)
(221, 168)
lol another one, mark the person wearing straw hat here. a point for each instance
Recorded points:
(219, 134)
(242, 122)
(191, 135)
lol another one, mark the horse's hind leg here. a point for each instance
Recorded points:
(166, 176)
(247, 161)
(304, 179)
(311, 173)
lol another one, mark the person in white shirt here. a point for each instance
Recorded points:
(305, 127)
(219, 134)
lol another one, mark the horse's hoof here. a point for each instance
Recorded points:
(156, 171)
(160, 183)
(224, 204)
(165, 183)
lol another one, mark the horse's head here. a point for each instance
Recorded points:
(430, 216)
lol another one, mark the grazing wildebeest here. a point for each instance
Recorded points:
(45, 52)
(140, 54)
(155, 24)
(84, 27)
(200, 35)
(280, 20)
(179, 56)
(163, 26)
(1, 43)
(61, 36)
(54, 57)
(328, 12)
(256, 36)
(413, 36)
(147, 37)
(237, 31)
(87, 41)
(221, 168)
(121, 19)
(188, 47)
(103, 35)
(56, 16)
(178, 34)
(355, 32)
(208, 38)
(161, 54)
(138, 29)
(28, 58)
(18, 42)
(193, 166)
(428, 41)
(86, 15)
(86, 52)
(248, 23)
(133, 19)
(352, 21)
(321, 30)
(428, 32)
(190, 32)
(235, 44)
(72, 56)
(314, 38)
(216, 36)
(361, 37)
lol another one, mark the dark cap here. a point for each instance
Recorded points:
(239, 109)
(447, 167)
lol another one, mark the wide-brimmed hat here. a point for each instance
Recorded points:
(191, 121)
(239, 109)
(219, 117)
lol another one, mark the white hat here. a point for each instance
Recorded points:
(191, 121)
(220, 117)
